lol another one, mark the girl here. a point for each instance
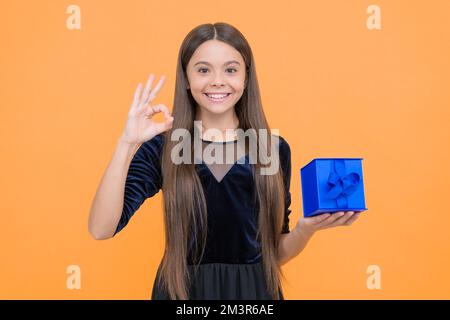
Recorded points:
(226, 225)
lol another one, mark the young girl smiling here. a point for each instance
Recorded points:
(226, 225)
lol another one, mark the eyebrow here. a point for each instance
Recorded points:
(226, 63)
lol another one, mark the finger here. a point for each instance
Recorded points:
(332, 218)
(151, 110)
(147, 89)
(161, 108)
(347, 215)
(350, 221)
(320, 217)
(156, 89)
(137, 94)
(342, 220)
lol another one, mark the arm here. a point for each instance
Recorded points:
(117, 197)
(292, 243)
(107, 205)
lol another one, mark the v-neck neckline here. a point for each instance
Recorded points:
(228, 172)
(211, 173)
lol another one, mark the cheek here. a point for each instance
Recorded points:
(196, 82)
(238, 85)
(197, 87)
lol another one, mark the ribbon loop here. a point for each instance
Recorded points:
(341, 185)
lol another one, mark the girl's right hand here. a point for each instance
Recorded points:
(140, 127)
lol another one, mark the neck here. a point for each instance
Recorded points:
(222, 122)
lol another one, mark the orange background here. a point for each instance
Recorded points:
(331, 86)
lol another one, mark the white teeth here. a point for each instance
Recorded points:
(217, 96)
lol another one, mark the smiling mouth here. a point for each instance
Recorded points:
(217, 98)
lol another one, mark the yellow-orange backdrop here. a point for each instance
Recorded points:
(331, 86)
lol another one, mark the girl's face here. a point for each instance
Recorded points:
(216, 67)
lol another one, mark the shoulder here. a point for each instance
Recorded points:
(283, 145)
(284, 151)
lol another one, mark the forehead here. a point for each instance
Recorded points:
(216, 52)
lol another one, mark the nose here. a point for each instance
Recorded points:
(217, 81)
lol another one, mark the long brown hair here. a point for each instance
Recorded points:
(185, 212)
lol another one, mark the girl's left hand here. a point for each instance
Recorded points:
(310, 225)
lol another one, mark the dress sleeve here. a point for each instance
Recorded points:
(143, 180)
(285, 162)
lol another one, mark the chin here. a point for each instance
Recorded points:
(217, 109)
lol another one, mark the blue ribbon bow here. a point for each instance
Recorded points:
(340, 183)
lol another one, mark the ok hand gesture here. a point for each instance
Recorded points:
(140, 126)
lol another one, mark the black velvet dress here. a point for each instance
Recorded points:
(231, 266)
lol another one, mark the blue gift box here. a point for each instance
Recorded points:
(331, 185)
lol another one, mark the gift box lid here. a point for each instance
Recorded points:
(330, 159)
